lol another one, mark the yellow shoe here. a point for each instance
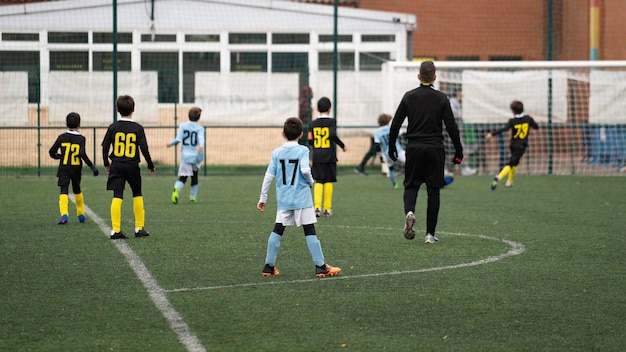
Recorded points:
(175, 196)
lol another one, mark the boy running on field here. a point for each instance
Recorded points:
(520, 126)
(191, 135)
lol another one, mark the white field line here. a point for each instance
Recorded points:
(156, 293)
(516, 249)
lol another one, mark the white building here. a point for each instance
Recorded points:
(248, 59)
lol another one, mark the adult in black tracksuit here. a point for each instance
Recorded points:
(426, 108)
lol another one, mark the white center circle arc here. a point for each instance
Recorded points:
(515, 249)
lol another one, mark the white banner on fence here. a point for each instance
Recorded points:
(607, 101)
(359, 95)
(252, 98)
(13, 98)
(487, 95)
(89, 94)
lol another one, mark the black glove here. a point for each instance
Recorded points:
(393, 152)
(458, 158)
(95, 171)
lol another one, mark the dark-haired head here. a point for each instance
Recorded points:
(517, 107)
(383, 119)
(72, 120)
(194, 114)
(323, 105)
(292, 128)
(125, 105)
(427, 72)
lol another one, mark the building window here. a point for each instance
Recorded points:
(368, 38)
(194, 62)
(247, 38)
(166, 65)
(69, 61)
(463, 58)
(20, 37)
(103, 61)
(329, 38)
(23, 61)
(290, 62)
(505, 58)
(372, 61)
(202, 38)
(345, 61)
(68, 37)
(107, 38)
(248, 61)
(159, 38)
(290, 38)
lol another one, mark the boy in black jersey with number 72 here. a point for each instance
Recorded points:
(72, 145)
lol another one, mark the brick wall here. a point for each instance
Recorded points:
(512, 28)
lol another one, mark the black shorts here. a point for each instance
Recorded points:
(424, 164)
(120, 173)
(324, 172)
(517, 151)
(70, 174)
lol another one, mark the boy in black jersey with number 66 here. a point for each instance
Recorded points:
(127, 138)
(72, 145)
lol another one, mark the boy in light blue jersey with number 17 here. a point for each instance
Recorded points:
(191, 135)
(289, 165)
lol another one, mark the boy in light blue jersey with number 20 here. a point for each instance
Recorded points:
(289, 165)
(191, 135)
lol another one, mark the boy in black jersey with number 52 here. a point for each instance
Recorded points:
(323, 137)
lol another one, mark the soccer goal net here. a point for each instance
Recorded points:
(579, 107)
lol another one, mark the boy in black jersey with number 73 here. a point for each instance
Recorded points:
(520, 126)
(126, 137)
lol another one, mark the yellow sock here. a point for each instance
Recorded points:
(140, 214)
(80, 204)
(511, 175)
(63, 204)
(116, 214)
(328, 196)
(504, 172)
(318, 191)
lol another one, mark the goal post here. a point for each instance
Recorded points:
(579, 105)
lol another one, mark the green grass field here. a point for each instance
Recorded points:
(538, 267)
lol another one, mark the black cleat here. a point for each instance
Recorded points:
(142, 233)
(118, 236)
